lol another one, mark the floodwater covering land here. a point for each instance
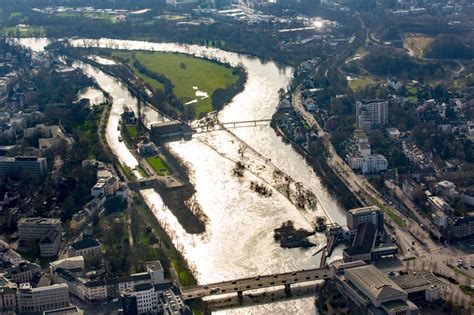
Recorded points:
(238, 241)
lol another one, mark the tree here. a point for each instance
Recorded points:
(320, 224)
(115, 204)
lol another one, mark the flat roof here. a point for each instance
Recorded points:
(364, 209)
(417, 280)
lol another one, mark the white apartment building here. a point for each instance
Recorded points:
(371, 114)
(374, 163)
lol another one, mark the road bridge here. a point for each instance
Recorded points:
(258, 282)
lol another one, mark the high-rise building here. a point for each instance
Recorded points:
(15, 166)
(371, 114)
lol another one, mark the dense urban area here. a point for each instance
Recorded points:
(237, 157)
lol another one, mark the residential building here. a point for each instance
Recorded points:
(446, 189)
(468, 197)
(374, 163)
(460, 227)
(34, 300)
(88, 248)
(154, 299)
(440, 219)
(8, 300)
(436, 203)
(412, 189)
(23, 272)
(49, 244)
(15, 166)
(355, 162)
(357, 216)
(371, 114)
(107, 184)
(99, 290)
(74, 265)
(8, 254)
(393, 83)
(370, 291)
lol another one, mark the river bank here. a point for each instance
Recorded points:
(319, 164)
(238, 241)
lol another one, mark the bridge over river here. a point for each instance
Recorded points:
(219, 125)
(258, 282)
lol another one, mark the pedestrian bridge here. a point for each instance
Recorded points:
(218, 125)
(258, 282)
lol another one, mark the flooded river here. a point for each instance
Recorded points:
(239, 235)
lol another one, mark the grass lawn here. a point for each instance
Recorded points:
(159, 166)
(461, 271)
(417, 43)
(395, 218)
(15, 14)
(68, 14)
(142, 171)
(128, 172)
(185, 72)
(132, 132)
(23, 31)
(360, 83)
(412, 99)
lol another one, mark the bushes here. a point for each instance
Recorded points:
(449, 47)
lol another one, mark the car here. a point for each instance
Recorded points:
(120, 139)
(214, 290)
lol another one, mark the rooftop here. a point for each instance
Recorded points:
(22, 158)
(364, 240)
(374, 283)
(85, 243)
(417, 280)
(39, 220)
(154, 265)
(364, 210)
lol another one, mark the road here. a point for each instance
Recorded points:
(258, 282)
(413, 208)
(426, 253)
(360, 187)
